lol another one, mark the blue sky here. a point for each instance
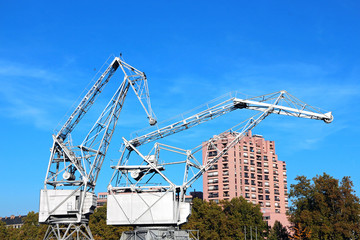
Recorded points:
(192, 52)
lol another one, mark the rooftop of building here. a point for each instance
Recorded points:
(12, 220)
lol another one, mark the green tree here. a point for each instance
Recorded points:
(31, 229)
(99, 228)
(278, 232)
(327, 209)
(241, 214)
(227, 220)
(3, 231)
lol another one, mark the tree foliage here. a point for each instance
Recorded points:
(3, 231)
(32, 230)
(278, 232)
(325, 208)
(227, 220)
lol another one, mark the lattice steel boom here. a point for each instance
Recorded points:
(136, 198)
(68, 196)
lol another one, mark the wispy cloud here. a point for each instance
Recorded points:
(27, 94)
(18, 70)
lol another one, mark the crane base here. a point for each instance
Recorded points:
(68, 231)
(166, 233)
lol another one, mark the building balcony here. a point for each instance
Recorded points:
(213, 195)
(213, 188)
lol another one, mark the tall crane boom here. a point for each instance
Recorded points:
(73, 169)
(136, 198)
(88, 100)
(287, 105)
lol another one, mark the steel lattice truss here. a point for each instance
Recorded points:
(140, 174)
(68, 194)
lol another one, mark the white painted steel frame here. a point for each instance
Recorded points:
(278, 103)
(78, 167)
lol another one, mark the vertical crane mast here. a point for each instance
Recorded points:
(68, 196)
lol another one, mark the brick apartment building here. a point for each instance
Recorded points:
(250, 169)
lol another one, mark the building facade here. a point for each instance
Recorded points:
(101, 199)
(250, 169)
(13, 221)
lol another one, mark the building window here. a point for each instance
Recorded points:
(212, 174)
(213, 187)
(213, 195)
(212, 153)
(214, 167)
(267, 204)
(214, 180)
(212, 146)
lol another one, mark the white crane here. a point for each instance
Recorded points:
(68, 196)
(137, 198)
